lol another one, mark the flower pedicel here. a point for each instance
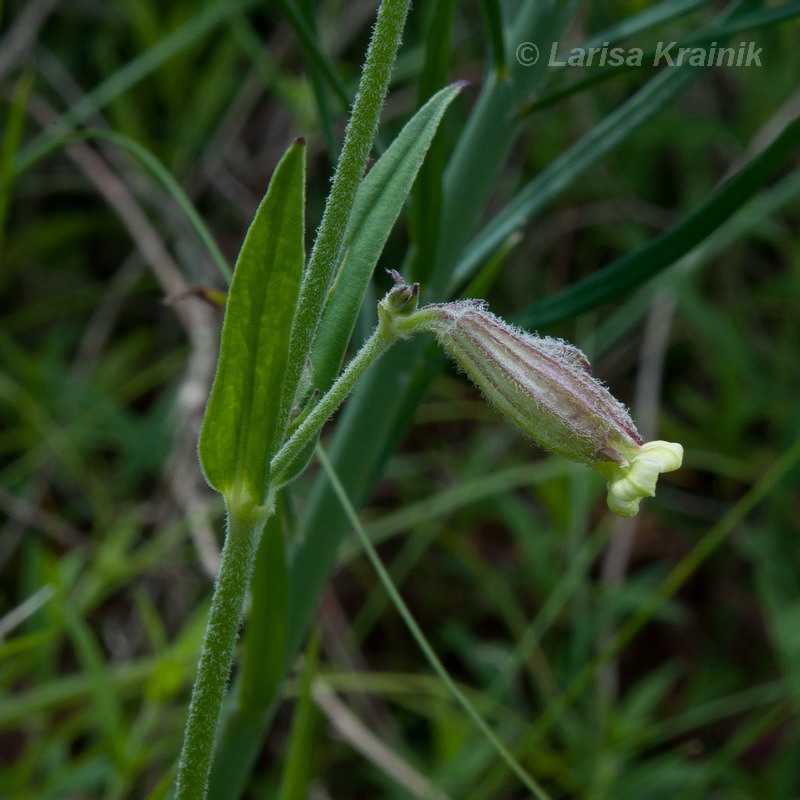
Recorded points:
(545, 387)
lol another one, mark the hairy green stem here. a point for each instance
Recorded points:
(245, 526)
(246, 522)
(350, 168)
(377, 344)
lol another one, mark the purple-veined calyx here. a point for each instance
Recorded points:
(545, 387)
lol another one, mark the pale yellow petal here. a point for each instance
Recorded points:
(627, 485)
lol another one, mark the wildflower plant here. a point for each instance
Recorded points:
(289, 321)
(250, 447)
(111, 174)
(256, 428)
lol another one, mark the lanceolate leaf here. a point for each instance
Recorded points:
(378, 203)
(243, 415)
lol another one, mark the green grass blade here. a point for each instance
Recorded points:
(633, 270)
(492, 15)
(570, 165)
(402, 609)
(751, 21)
(487, 139)
(728, 705)
(297, 769)
(326, 119)
(437, 49)
(104, 697)
(426, 199)
(250, 43)
(156, 168)
(317, 60)
(737, 24)
(14, 127)
(752, 215)
(645, 20)
(137, 69)
(244, 412)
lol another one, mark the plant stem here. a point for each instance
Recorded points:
(246, 522)
(377, 344)
(245, 526)
(350, 168)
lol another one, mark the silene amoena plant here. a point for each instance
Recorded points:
(287, 325)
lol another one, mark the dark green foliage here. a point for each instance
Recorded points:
(650, 217)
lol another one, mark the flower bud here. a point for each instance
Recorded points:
(545, 387)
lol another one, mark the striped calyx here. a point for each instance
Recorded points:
(545, 387)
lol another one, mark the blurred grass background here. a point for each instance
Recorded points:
(505, 555)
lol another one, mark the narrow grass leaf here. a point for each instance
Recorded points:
(608, 134)
(265, 642)
(318, 63)
(12, 134)
(636, 24)
(242, 418)
(487, 138)
(647, 19)
(105, 699)
(631, 271)
(155, 167)
(326, 120)
(137, 69)
(438, 34)
(737, 24)
(425, 210)
(482, 283)
(492, 16)
(752, 215)
(297, 769)
(420, 638)
(700, 716)
(751, 21)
